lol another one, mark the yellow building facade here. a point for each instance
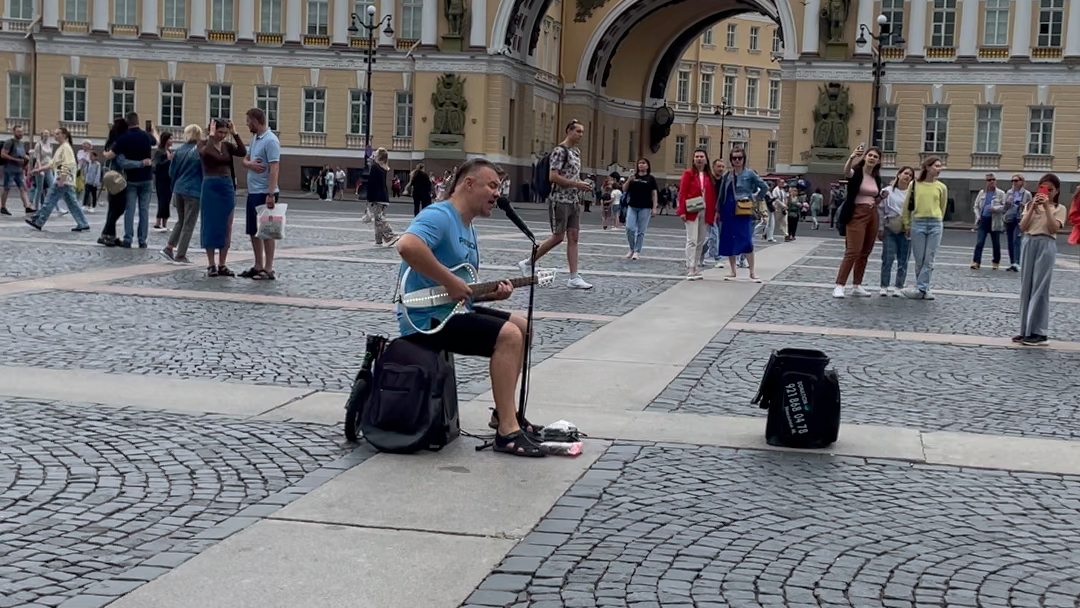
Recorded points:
(989, 85)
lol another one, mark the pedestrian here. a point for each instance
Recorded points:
(15, 159)
(163, 156)
(41, 154)
(64, 165)
(738, 187)
(588, 196)
(990, 207)
(1042, 220)
(643, 193)
(924, 210)
(712, 237)
(420, 188)
(895, 244)
(816, 200)
(186, 176)
(136, 145)
(117, 200)
(379, 198)
(778, 212)
(858, 218)
(617, 195)
(218, 195)
(263, 163)
(92, 183)
(340, 178)
(605, 203)
(697, 209)
(794, 213)
(1074, 218)
(1019, 197)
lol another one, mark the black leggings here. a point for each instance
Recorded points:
(792, 223)
(117, 205)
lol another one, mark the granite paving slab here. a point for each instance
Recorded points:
(46, 258)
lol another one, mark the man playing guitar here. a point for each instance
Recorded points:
(440, 237)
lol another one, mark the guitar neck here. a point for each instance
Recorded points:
(481, 289)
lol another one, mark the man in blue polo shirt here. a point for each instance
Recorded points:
(263, 164)
(136, 145)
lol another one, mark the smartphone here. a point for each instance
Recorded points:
(1044, 190)
(149, 127)
(862, 144)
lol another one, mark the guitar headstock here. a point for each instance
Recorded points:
(545, 278)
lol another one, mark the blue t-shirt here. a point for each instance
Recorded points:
(15, 148)
(453, 243)
(989, 202)
(266, 149)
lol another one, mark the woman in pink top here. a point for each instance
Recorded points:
(858, 218)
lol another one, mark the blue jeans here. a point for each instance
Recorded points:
(896, 248)
(984, 228)
(712, 241)
(925, 241)
(138, 194)
(637, 221)
(55, 192)
(1012, 239)
(41, 184)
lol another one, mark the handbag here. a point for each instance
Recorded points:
(744, 207)
(911, 198)
(696, 204)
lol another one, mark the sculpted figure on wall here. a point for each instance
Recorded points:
(450, 105)
(835, 15)
(831, 116)
(455, 16)
(585, 8)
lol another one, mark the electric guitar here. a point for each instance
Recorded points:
(436, 296)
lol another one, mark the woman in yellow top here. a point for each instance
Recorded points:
(1041, 222)
(922, 219)
(63, 165)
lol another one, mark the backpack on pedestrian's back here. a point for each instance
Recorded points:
(542, 175)
(802, 397)
(413, 402)
(9, 147)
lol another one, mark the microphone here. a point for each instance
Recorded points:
(504, 203)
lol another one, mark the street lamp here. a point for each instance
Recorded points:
(884, 36)
(371, 26)
(723, 111)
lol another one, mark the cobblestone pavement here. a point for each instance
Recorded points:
(677, 526)
(23, 260)
(95, 501)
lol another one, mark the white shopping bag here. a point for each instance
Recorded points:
(271, 222)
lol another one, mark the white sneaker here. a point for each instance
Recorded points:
(913, 294)
(838, 292)
(896, 292)
(719, 265)
(929, 295)
(859, 292)
(525, 267)
(635, 256)
(884, 292)
(578, 283)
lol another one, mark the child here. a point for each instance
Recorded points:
(1042, 220)
(92, 174)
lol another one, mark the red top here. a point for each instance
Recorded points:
(690, 186)
(1074, 219)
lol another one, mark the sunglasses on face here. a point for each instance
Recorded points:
(735, 158)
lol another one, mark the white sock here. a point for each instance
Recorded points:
(573, 275)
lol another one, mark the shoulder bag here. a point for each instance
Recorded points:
(743, 206)
(696, 204)
(911, 198)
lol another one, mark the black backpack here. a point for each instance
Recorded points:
(413, 404)
(542, 175)
(803, 399)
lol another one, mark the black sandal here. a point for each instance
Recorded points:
(211, 271)
(517, 443)
(250, 272)
(223, 271)
(532, 429)
(262, 275)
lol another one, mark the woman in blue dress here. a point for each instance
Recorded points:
(737, 229)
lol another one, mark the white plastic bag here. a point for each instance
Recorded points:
(271, 222)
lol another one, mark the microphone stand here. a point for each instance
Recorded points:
(523, 393)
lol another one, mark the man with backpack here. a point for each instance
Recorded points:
(558, 181)
(14, 158)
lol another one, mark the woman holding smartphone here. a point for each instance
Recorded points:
(1040, 224)
(859, 218)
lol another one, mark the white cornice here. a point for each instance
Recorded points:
(730, 122)
(938, 73)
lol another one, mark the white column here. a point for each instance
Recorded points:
(246, 30)
(198, 19)
(386, 7)
(969, 29)
(149, 18)
(866, 17)
(50, 14)
(478, 28)
(429, 23)
(916, 34)
(340, 21)
(811, 27)
(1072, 31)
(293, 16)
(100, 16)
(1021, 41)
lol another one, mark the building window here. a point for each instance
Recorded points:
(75, 10)
(74, 99)
(774, 94)
(936, 131)
(357, 112)
(360, 8)
(614, 145)
(755, 38)
(1050, 17)
(266, 99)
(706, 89)
(751, 93)
(777, 42)
(174, 13)
(707, 37)
(221, 15)
(125, 12)
(411, 19)
(221, 101)
(996, 27)
(314, 110)
(21, 9)
(703, 143)
(403, 114)
(680, 150)
(123, 97)
(944, 27)
(729, 90)
(1041, 131)
(770, 157)
(172, 104)
(270, 16)
(318, 17)
(732, 29)
(988, 130)
(887, 128)
(18, 95)
(894, 12)
(682, 89)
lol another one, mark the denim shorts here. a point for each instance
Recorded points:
(15, 178)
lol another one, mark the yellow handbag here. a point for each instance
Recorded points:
(80, 182)
(744, 207)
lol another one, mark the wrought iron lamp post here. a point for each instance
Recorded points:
(723, 111)
(885, 36)
(369, 57)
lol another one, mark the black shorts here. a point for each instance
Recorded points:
(471, 334)
(251, 223)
